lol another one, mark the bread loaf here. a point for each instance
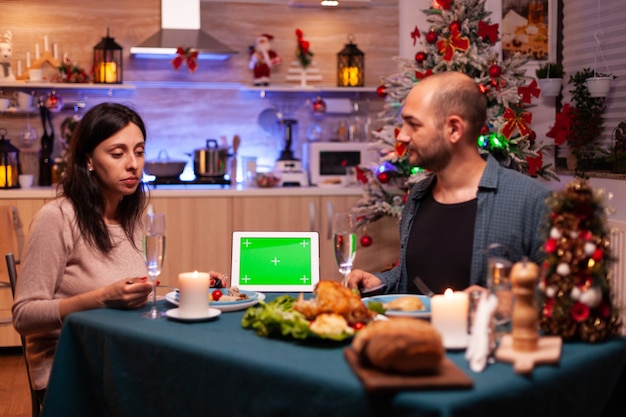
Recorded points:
(400, 345)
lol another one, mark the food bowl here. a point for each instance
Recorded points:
(267, 179)
(163, 166)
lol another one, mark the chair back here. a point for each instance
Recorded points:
(12, 270)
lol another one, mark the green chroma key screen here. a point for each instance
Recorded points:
(275, 261)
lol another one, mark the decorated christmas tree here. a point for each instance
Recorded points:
(575, 288)
(461, 38)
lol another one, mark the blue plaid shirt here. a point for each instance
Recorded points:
(511, 210)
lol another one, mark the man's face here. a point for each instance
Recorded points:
(420, 132)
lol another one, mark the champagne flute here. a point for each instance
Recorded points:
(154, 254)
(344, 238)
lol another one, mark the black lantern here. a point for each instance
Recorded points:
(350, 66)
(107, 61)
(9, 163)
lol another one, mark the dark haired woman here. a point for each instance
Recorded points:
(83, 250)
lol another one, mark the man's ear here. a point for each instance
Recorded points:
(455, 127)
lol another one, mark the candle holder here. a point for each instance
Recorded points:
(107, 61)
(9, 163)
(350, 66)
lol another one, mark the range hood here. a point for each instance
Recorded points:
(180, 26)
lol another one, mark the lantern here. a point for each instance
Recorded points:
(107, 61)
(9, 163)
(350, 66)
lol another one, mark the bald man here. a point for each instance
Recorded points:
(469, 201)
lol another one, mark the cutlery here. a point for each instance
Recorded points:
(421, 285)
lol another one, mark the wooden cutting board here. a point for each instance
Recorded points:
(376, 381)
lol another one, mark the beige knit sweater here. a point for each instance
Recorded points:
(57, 263)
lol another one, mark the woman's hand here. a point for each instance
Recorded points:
(129, 293)
(219, 280)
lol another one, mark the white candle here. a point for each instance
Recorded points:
(449, 316)
(55, 47)
(45, 43)
(193, 290)
(19, 67)
(36, 51)
(27, 59)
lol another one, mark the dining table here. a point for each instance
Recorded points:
(113, 362)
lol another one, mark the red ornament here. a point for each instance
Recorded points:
(420, 57)
(318, 105)
(380, 91)
(431, 37)
(455, 26)
(366, 240)
(551, 245)
(495, 71)
(405, 197)
(484, 130)
(383, 177)
(579, 312)
(597, 255)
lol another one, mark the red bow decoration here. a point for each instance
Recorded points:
(534, 164)
(415, 34)
(422, 75)
(455, 41)
(514, 120)
(186, 55)
(488, 32)
(562, 125)
(529, 90)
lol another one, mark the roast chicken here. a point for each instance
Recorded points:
(334, 298)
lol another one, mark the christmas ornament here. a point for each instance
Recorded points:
(381, 91)
(318, 105)
(431, 37)
(488, 32)
(455, 42)
(415, 35)
(420, 57)
(303, 52)
(383, 177)
(516, 120)
(54, 102)
(366, 241)
(576, 287)
(455, 26)
(188, 56)
(495, 71)
(527, 91)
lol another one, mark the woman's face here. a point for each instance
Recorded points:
(118, 162)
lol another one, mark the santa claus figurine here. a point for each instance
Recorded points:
(262, 58)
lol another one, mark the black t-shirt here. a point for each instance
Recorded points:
(439, 249)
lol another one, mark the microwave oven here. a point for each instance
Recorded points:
(326, 162)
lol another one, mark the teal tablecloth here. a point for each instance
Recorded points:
(114, 363)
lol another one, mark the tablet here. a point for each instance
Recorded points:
(275, 261)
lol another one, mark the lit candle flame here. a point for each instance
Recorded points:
(448, 293)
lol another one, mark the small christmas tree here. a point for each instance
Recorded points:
(575, 288)
(460, 38)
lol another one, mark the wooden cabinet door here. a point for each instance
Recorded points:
(280, 214)
(198, 235)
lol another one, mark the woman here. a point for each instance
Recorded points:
(83, 249)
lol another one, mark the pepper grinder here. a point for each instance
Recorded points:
(524, 277)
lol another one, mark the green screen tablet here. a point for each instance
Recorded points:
(275, 261)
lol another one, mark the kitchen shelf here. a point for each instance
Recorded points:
(94, 89)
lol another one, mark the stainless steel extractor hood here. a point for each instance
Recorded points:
(180, 26)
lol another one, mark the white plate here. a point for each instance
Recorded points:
(211, 313)
(422, 314)
(225, 306)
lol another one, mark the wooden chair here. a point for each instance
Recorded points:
(34, 398)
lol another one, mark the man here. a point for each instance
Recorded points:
(469, 202)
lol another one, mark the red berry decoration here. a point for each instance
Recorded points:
(484, 130)
(420, 57)
(366, 240)
(318, 105)
(381, 91)
(383, 177)
(495, 71)
(431, 37)
(455, 26)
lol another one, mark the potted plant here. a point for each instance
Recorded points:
(599, 84)
(550, 78)
(580, 125)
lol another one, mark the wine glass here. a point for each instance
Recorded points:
(154, 254)
(344, 238)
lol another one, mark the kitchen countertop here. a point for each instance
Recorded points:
(198, 190)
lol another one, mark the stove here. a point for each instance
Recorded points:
(199, 180)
